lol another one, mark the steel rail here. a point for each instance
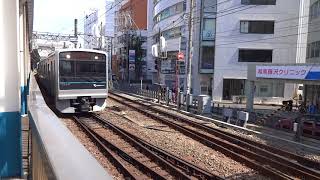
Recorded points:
(170, 158)
(110, 150)
(251, 151)
(300, 159)
(107, 152)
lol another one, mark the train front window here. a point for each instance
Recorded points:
(82, 70)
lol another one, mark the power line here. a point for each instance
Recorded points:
(276, 30)
(240, 42)
(112, 6)
(252, 6)
(275, 22)
(195, 10)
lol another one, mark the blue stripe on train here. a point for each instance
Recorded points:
(10, 144)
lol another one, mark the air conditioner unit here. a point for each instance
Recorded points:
(155, 50)
(163, 44)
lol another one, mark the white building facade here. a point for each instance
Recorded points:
(91, 29)
(252, 31)
(109, 18)
(166, 18)
(170, 18)
(99, 27)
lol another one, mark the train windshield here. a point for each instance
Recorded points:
(82, 70)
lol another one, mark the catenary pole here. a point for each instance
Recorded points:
(189, 60)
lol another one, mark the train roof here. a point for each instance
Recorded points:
(79, 50)
(74, 50)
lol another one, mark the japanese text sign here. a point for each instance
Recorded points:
(303, 72)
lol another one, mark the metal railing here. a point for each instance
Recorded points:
(55, 152)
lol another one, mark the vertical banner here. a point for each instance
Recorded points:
(132, 55)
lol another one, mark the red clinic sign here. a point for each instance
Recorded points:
(180, 56)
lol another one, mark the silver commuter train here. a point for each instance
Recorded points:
(75, 79)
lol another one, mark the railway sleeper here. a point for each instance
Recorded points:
(285, 168)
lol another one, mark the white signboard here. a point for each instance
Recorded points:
(303, 72)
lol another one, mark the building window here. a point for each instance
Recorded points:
(155, 2)
(208, 29)
(209, 6)
(258, 27)
(172, 33)
(258, 2)
(170, 11)
(315, 10)
(269, 89)
(313, 50)
(207, 57)
(252, 55)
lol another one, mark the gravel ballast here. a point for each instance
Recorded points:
(177, 143)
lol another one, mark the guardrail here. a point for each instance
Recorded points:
(56, 153)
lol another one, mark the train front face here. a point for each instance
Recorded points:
(82, 81)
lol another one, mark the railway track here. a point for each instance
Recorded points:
(268, 160)
(136, 158)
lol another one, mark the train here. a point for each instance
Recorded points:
(75, 80)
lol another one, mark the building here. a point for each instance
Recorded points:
(165, 20)
(130, 39)
(312, 92)
(204, 46)
(91, 29)
(250, 31)
(170, 19)
(109, 18)
(99, 27)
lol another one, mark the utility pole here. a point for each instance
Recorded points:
(159, 56)
(75, 31)
(111, 51)
(138, 62)
(100, 39)
(189, 60)
(128, 46)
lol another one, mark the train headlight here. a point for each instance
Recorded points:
(96, 57)
(68, 56)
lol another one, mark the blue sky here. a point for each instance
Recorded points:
(58, 15)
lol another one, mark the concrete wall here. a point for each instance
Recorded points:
(229, 39)
(14, 70)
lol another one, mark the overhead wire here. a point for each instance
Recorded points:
(298, 17)
(233, 10)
